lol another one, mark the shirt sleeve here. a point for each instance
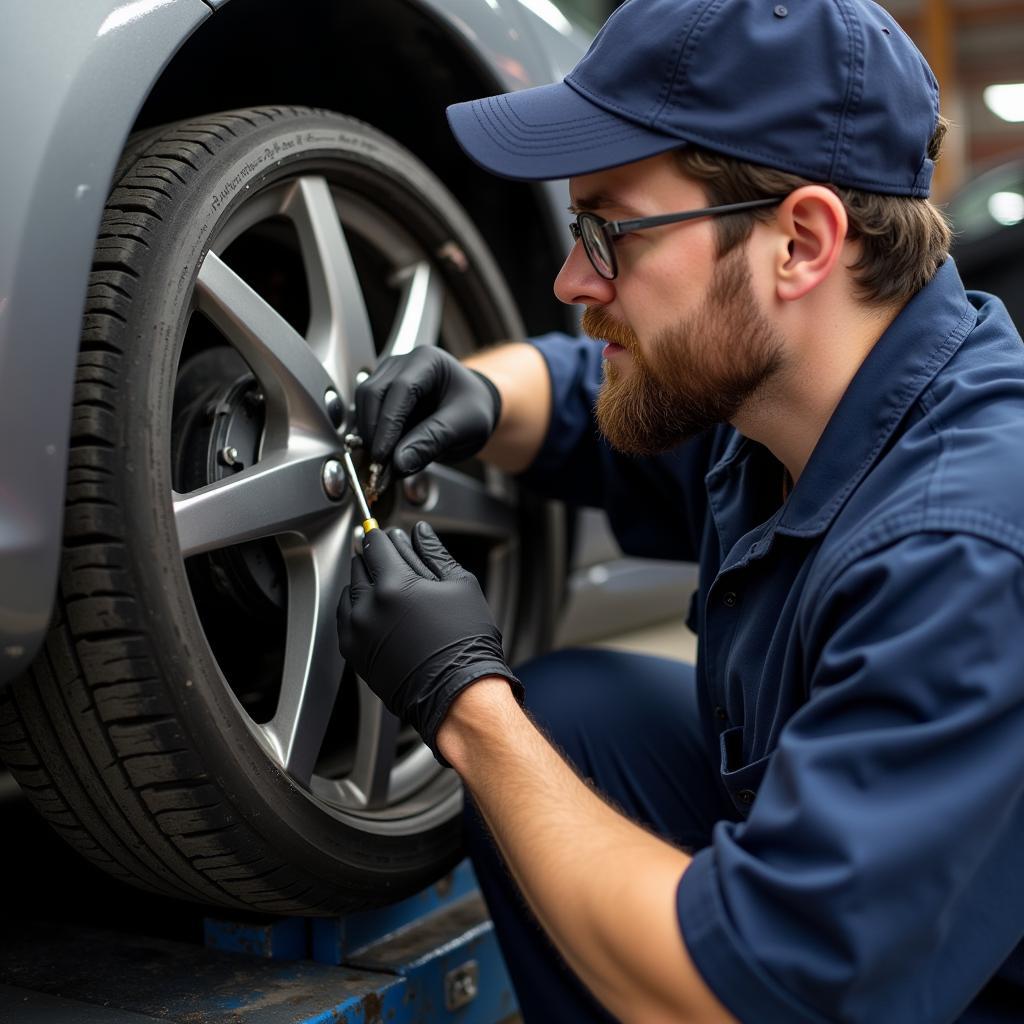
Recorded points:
(656, 506)
(878, 874)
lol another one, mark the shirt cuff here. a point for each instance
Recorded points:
(568, 364)
(722, 958)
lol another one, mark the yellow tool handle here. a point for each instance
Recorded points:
(370, 524)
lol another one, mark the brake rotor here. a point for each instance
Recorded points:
(217, 433)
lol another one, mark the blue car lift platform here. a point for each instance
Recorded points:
(429, 959)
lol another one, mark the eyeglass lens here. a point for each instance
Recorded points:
(596, 244)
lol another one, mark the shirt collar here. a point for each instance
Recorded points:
(913, 349)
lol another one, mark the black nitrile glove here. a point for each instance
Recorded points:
(414, 624)
(424, 406)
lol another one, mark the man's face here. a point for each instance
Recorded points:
(691, 374)
(689, 343)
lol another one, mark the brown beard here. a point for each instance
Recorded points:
(699, 372)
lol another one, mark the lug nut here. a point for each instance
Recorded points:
(362, 375)
(334, 479)
(229, 456)
(416, 489)
(335, 407)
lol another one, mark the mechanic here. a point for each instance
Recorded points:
(824, 821)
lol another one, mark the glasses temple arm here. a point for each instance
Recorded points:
(621, 227)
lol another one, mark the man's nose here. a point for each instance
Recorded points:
(578, 283)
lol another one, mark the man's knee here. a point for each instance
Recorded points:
(571, 691)
(588, 698)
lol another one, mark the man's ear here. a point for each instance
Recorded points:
(813, 223)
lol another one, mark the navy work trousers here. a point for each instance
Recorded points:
(627, 722)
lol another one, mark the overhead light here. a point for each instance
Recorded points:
(547, 11)
(1006, 101)
(1007, 208)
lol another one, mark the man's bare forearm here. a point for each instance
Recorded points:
(602, 887)
(521, 377)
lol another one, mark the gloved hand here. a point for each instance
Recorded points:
(414, 624)
(424, 406)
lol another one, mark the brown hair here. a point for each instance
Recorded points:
(903, 240)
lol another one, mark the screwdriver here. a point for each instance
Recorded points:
(353, 441)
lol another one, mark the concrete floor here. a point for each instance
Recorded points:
(667, 639)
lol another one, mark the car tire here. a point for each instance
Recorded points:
(189, 725)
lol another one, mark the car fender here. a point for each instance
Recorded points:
(78, 91)
(527, 50)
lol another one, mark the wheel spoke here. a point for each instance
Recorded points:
(375, 750)
(339, 327)
(454, 502)
(313, 665)
(292, 377)
(280, 494)
(418, 321)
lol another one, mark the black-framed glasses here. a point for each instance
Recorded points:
(598, 235)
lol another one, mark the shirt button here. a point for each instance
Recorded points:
(746, 796)
(720, 714)
(729, 599)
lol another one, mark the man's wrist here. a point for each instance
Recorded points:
(477, 712)
(495, 396)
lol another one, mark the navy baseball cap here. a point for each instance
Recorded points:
(831, 90)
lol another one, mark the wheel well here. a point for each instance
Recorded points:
(390, 64)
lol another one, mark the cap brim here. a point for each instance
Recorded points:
(549, 132)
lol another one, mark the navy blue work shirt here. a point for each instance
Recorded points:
(861, 672)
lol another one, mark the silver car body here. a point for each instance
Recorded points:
(74, 83)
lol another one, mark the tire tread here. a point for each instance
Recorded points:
(108, 720)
